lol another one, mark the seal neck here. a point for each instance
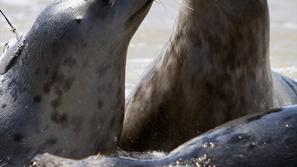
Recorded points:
(221, 49)
(226, 33)
(67, 84)
(223, 36)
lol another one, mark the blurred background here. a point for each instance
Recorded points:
(153, 34)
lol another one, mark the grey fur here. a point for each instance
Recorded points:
(265, 139)
(64, 93)
(216, 68)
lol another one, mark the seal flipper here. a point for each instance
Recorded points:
(12, 50)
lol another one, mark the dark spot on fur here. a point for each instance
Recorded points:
(112, 122)
(57, 77)
(50, 83)
(100, 104)
(101, 70)
(58, 83)
(58, 91)
(4, 106)
(59, 118)
(18, 138)
(68, 84)
(51, 141)
(56, 103)
(69, 61)
(85, 63)
(37, 99)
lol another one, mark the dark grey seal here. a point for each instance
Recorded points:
(265, 139)
(62, 90)
(216, 68)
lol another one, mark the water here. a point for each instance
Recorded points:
(156, 29)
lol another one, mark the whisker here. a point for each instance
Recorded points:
(185, 8)
(9, 23)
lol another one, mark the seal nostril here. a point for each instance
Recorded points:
(78, 19)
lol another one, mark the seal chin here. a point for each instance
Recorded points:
(141, 12)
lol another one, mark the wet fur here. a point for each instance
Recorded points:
(266, 139)
(65, 93)
(216, 68)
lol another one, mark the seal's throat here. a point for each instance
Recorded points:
(229, 60)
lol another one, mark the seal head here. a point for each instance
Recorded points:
(64, 91)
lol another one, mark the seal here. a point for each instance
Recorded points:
(62, 88)
(262, 139)
(216, 68)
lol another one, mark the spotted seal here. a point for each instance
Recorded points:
(62, 84)
(263, 139)
(216, 68)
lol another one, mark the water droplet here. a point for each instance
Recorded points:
(211, 144)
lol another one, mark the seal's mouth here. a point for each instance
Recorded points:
(141, 12)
